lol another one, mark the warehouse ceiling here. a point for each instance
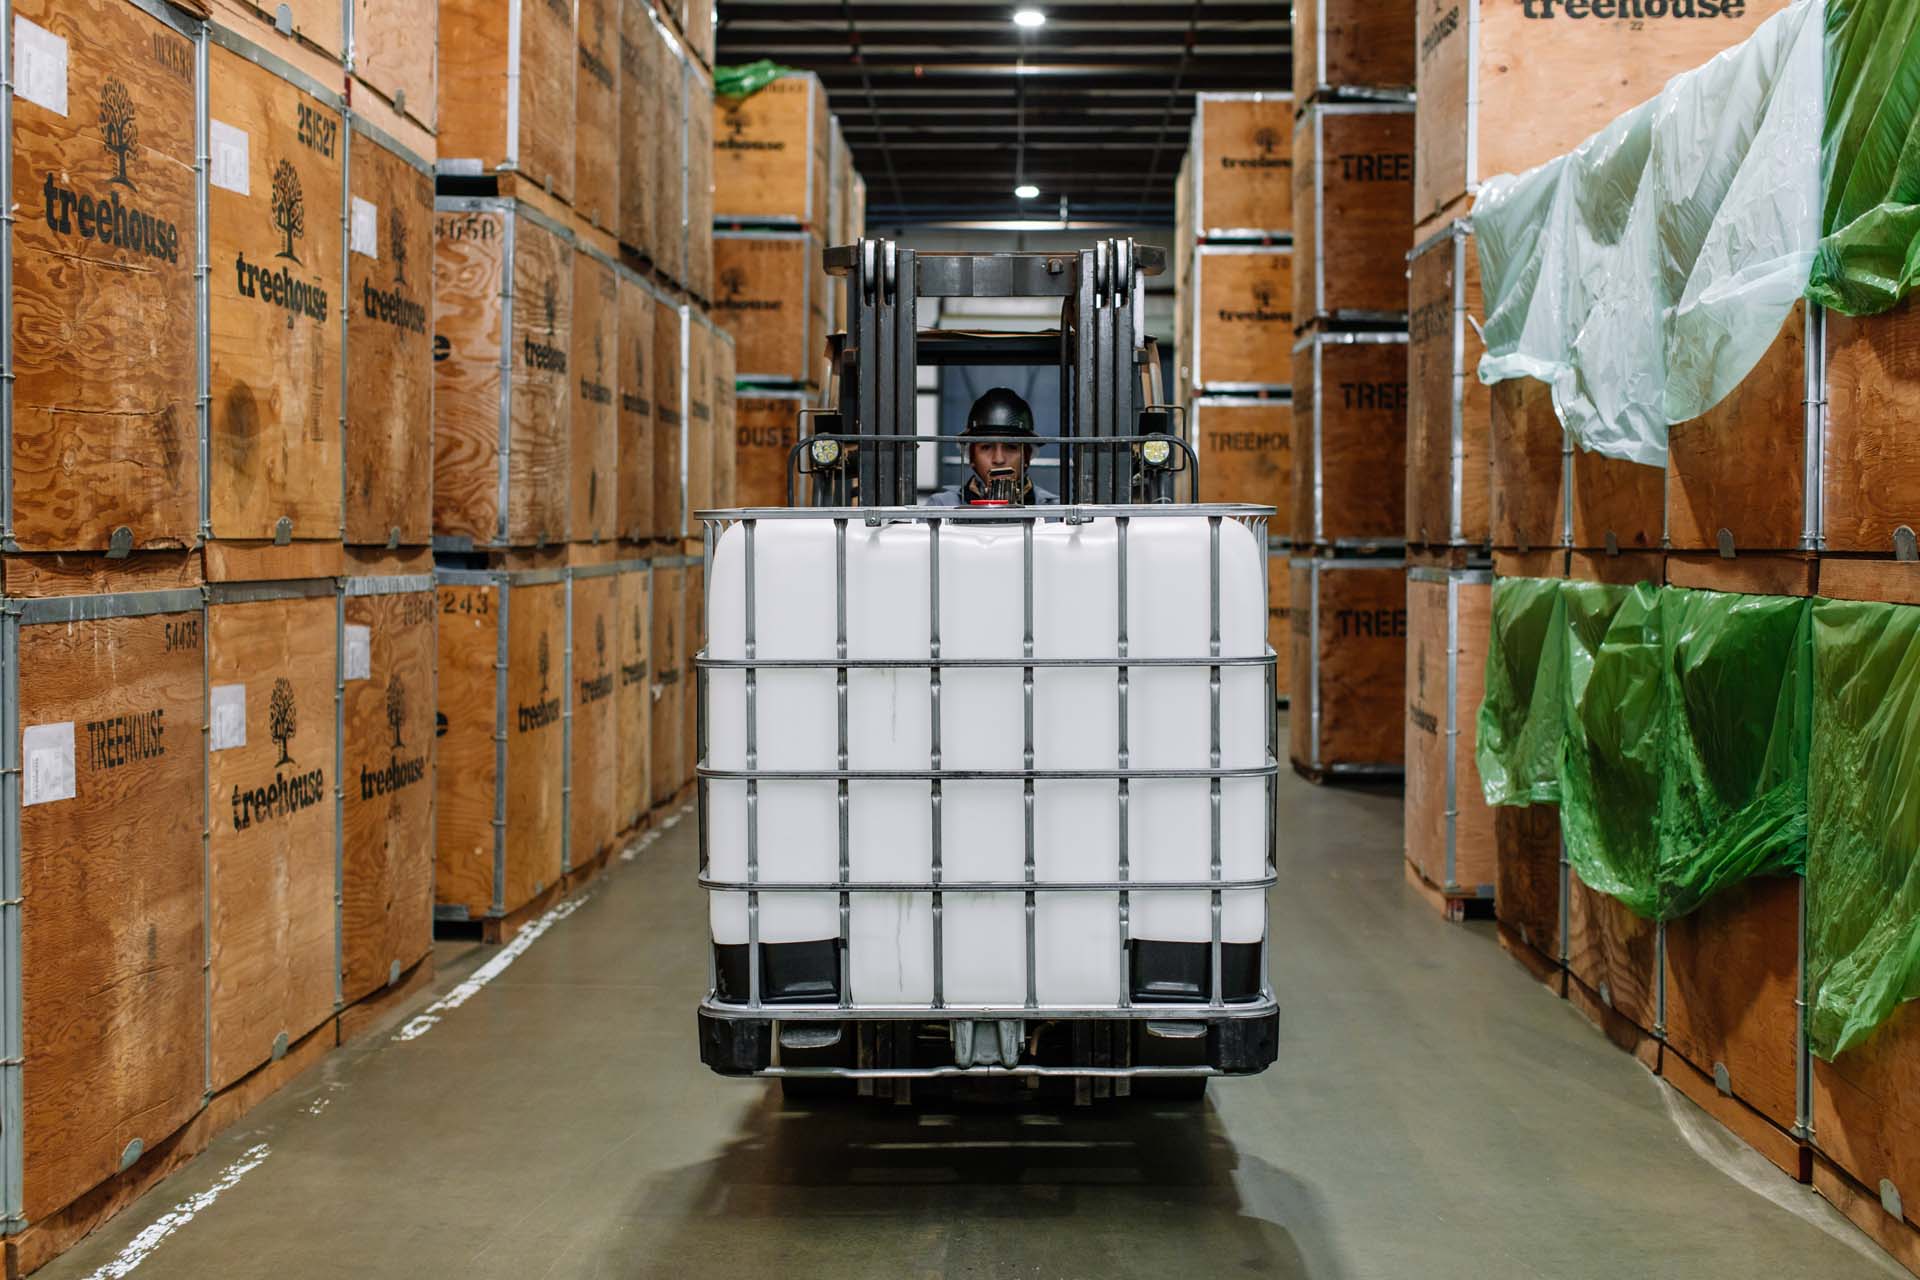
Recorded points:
(949, 106)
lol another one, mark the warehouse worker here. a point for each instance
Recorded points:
(999, 470)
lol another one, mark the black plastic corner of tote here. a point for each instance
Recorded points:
(1243, 1046)
(736, 1046)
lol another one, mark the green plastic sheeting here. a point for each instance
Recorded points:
(745, 81)
(1682, 744)
(1868, 258)
(1863, 868)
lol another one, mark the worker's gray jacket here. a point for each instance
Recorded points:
(951, 496)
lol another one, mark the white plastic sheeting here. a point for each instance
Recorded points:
(1645, 273)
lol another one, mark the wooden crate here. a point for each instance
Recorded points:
(726, 423)
(771, 155)
(1348, 667)
(633, 701)
(1731, 973)
(507, 106)
(1530, 887)
(1352, 201)
(272, 673)
(593, 749)
(596, 113)
(1243, 316)
(698, 29)
(389, 394)
(1737, 474)
(699, 180)
(670, 407)
(1509, 84)
(640, 52)
(1870, 455)
(503, 309)
(106, 1054)
(1280, 615)
(669, 159)
(768, 428)
(594, 443)
(1352, 48)
(317, 30)
(1449, 410)
(395, 48)
(1350, 436)
(388, 655)
(1866, 1125)
(1614, 962)
(772, 297)
(274, 195)
(693, 641)
(105, 433)
(633, 517)
(699, 441)
(1449, 825)
(499, 829)
(1244, 445)
(667, 657)
(1242, 174)
(1528, 462)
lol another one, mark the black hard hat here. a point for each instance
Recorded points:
(1000, 412)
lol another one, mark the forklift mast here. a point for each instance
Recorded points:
(1098, 347)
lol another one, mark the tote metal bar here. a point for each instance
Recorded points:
(1259, 1006)
(844, 797)
(832, 664)
(753, 787)
(988, 775)
(844, 886)
(1120, 683)
(1026, 693)
(934, 792)
(1213, 698)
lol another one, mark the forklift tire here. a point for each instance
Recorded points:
(1171, 1088)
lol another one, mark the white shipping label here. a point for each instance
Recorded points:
(46, 758)
(229, 149)
(39, 66)
(227, 707)
(364, 230)
(359, 657)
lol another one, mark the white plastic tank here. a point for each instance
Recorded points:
(982, 718)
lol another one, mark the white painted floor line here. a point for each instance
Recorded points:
(180, 1215)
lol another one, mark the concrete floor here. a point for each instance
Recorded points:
(1434, 1114)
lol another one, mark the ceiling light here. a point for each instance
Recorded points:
(1029, 18)
(1026, 191)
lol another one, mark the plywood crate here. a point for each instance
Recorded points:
(1866, 1129)
(1350, 435)
(671, 337)
(699, 437)
(596, 113)
(594, 436)
(668, 657)
(1280, 615)
(1352, 49)
(669, 158)
(1348, 668)
(1242, 175)
(768, 428)
(1870, 446)
(771, 155)
(507, 106)
(1616, 506)
(1449, 410)
(839, 212)
(1244, 446)
(313, 31)
(633, 699)
(697, 18)
(273, 674)
(105, 437)
(275, 325)
(1530, 888)
(772, 297)
(693, 641)
(593, 750)
(503, 313)
(726, 423)
(105, 1051)
(1505, 85)
(699, 181)
(1449, 825)
(389, 306)
(1352, 204)
(858, 218)
(388, 660)
(499, 823)
(394, 53)
(640, 53)
(1730, 974)
(633, 516)
(1243, 317)
(1614, 962)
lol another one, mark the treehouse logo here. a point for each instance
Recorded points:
(1633, 10)
(543, 711)
(103, 217)
(548, 355)
(636, 401)
(632, 673)
(1417, 714)
(399, 772)
(1268, 141)
(289, 792)
(1263, 311)
(593, 388)
(735, 139)
(601, 685)
(394, 306)
(281, 288)
(733, 282)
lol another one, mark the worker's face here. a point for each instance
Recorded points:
(994, 459)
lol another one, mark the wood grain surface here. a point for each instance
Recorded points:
(1443, 352)
(771, 298)
(1362, 42)
(1353, 192)
(699, 96)
(1244, 314)
(596, 108)
(592, 820)
(693, 640)
(395, 53)
(1244, 163)
(1528, 463)
(726, 423)
(1526, 881)
(1871, 454)
(633, 701)
(1361, 647)
(465, 776)
(669, 181)
(1866, 1108)
(476, 77)
(1245, 448)
(1431, 733)
(640, 52)
(768, 428)
(595, 435)
(668, 641)
(669, 416)
(764, 149)
(1358, 393)
(1611, 952)
(700, 424)
(633, 420)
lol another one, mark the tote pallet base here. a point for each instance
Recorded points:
(374, 1011)
(1616, 1027)
(1791, 1156)
(1454, 906)
(1863, 1209)
(1548, 972)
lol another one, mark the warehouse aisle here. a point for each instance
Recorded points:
(1434, 1114)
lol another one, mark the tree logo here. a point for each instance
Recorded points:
(599, 356)
(639, 633)
(550, 303)
(543, 666)
(600, 642)
(736, 122)
(119, 132)
(396, 709)
(397, 243)
(289, 208)
(1266, 140)
(734, 281)
(1263, 295)
(283, 718)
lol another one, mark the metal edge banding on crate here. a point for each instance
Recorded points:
(1802, 1065)
(359, 123)
(1317, 121)
(1456, 480)
(339, 776)
(566, 724)
(686, 408)
(346, 363)
(235, 43)
(1473, 103)
(516, 26)
(502, 648)
(503, 493)
(1813, 526)
(1280, 236)
(202, 301)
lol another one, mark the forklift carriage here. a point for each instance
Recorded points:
(989, 791)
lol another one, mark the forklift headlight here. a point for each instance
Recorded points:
(825, 452)
(1156, 452)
